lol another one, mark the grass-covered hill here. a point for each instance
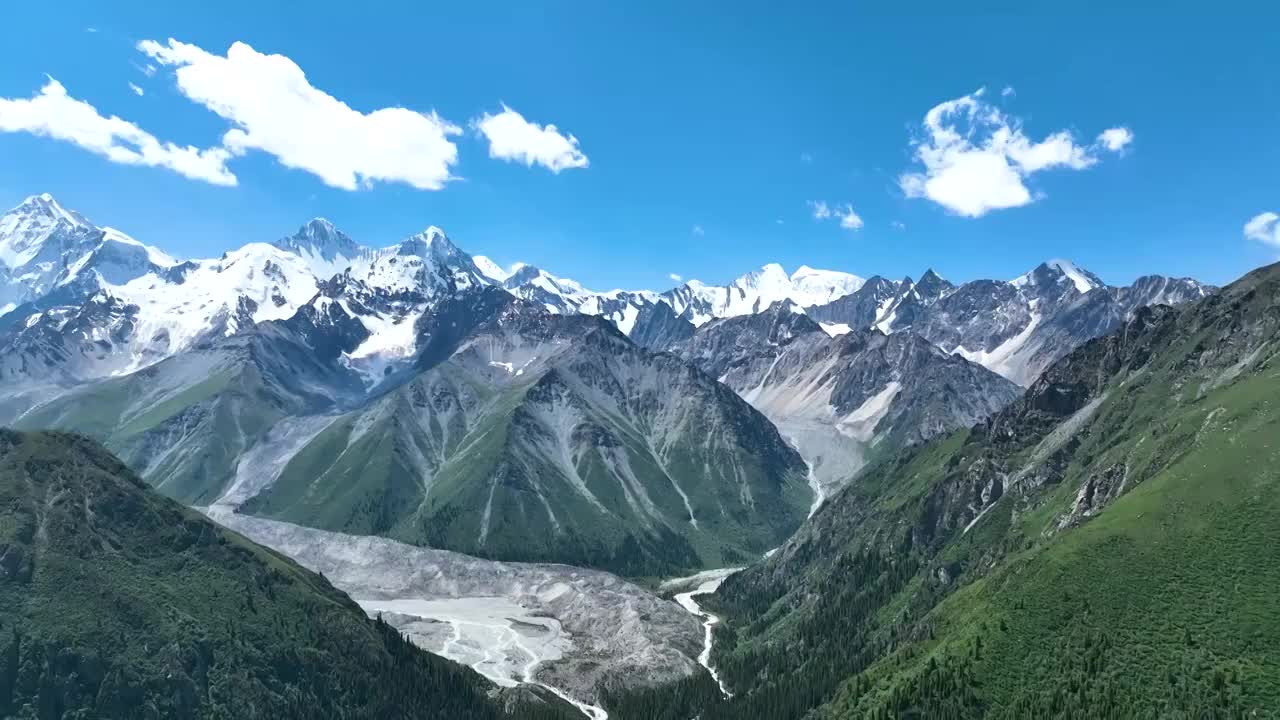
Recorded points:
(1106, 547)
(116, 602)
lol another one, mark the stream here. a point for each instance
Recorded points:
(708, 582)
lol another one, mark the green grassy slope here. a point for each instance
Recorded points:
(184, 422)
(585, 458)
(116, 602)
(1104, 548)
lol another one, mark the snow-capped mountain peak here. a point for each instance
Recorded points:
(815, 287)
(426, 263)
(493, 270)
(1059, 272)
(753, 292)
(431, 240)
(45, 205)
(44, 246)
(326, 250)
(1082, 279)
(26, 229)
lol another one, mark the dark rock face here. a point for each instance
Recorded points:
(842, 399)
(659, 328)
(1016, 328)
(862, 308)
(65, 344)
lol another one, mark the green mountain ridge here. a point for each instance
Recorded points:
(116, 602)
(1104, 547)
(184, 422)
(553, 438)
(512, 434)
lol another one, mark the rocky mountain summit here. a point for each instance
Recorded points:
(845, 399)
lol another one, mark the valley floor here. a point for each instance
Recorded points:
(557, 626)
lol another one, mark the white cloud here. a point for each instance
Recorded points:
(1008, 91)
(676, 277)
(512, 138)
(1264, 227)
(275, 109)
(55, 114)
(1115, 139)
(849, 220)
(975, 159)
(136, 90)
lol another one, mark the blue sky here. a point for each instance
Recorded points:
(708, 133)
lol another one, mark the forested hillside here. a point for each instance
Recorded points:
(116, 602)
(1102, 548)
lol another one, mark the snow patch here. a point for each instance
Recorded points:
(861, 423)
(1003, 359)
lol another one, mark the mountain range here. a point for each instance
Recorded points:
(1095, 549)
(1042, 497)
(421, 393)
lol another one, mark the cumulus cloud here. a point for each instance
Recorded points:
(512, 138)
(136, 90)
(675, 277)
(849, 220)
(275, 109)
(54, 113)
(974, 159)
(820, 209)
(1115, 139)
(1265, 228)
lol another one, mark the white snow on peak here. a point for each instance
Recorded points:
(818, 287)
(25, 229)
(208, 298)
(759, 289)
(154, 255)
(1068, 271)
(493, 270)
(1068, 268)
